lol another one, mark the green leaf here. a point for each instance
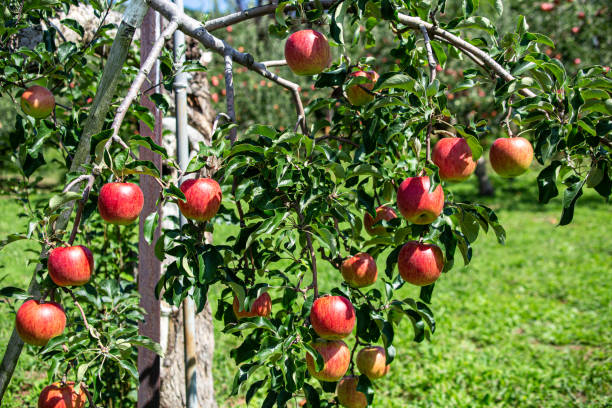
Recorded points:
(547, 182)
(475, 147)
(150, 225)
(149, 144)
(317, 358)
(400, 81)
(175, 192)
(570, 196)
(61, 199)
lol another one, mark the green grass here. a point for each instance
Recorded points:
(528, 324)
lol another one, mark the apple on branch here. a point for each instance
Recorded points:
(70, 266)
(120, 203)
(453, 157)
(382, 213)
(62, 395)
(332, 317)
(372, 362)
(420, 264)
(307, 52)
(37, 101)
(416, 203)
(347, 393)
(203, 197)
(511, 156)
(262, 306)
(336, 359)
(360, 270)
(355, 94)
(38, 322)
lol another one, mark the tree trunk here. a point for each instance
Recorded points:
(485, 188)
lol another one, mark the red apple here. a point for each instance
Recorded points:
(348, 396)
(336, 358)
(416, 203)
(120, 203)
(511, 157)
(359, 270)
(453, 157)
(547, 6)
(372, 362)
(420, 264)
(37, 322)
(332, 317)
(58, 395)
(581, 15)
(262, 306)
(307, 52)
(70, 266)
(37, 101)
(203, 199)
(382, 213)
(355, 94)
(575, 30)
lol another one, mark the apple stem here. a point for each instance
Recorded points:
(81, 206)
(507, 118)
(89, 396)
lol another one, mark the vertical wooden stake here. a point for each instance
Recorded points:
(149, 267)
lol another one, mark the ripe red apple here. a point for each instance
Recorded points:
(203, 199)
(262, 306)
(70, 266)
(120, 203)
(511, 157)
(420, 264)
(37, 322)
(356, 95)
(37, 101)
(58, 395)
(348, 396)
(416, 203)
(547, 6)
(453, 157)
(382, 213)
(575, 30)
(359, 270)
(332, 317)
(307, 52)
(581, 15)
(372, 362)
(577, 61)
(336, 358)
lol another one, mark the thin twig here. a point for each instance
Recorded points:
(89, 396)
(431, 60)
(79, 213)
(275, 63)
(92, 331)
(142, 75)
(338, 138)
(229, 92)
(216, 121)
(313, 256)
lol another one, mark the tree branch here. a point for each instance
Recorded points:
(275, 63)
(431, 60)
(229, 92)
(79, 213)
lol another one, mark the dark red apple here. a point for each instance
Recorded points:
(511, 157)
(347, 393)
(37, 322)
(372, 362)
(453, 157)
(355, 94)
(332, 317)
(70, 266)
(420, 264)
(262, 306)
(336, 358)
(203, 199)
(382, 213)
(120, 203)
(307, 52)
(359, 270)
(416, 203)
(58, 395)
(37, 101)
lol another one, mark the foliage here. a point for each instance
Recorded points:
(299, 199)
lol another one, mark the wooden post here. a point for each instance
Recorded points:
(149, 267)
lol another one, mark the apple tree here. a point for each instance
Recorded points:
(360, 177)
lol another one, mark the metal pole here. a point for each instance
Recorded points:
(182, 147)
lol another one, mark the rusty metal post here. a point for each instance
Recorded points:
(149, 267)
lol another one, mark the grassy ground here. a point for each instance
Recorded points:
(528, 324)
